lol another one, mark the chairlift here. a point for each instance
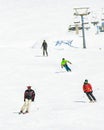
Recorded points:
(73, 27)
(95, 22)
(76, 20)
(86, 22)
(102, 19)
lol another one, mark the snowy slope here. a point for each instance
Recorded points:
(60, 103)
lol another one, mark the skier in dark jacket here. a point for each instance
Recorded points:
(29, 96)
(44, 46)
(87, 88)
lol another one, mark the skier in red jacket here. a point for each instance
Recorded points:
(29, 96)
(87, 88)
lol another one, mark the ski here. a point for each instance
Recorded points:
(20, 113)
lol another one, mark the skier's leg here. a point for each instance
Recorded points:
(28, 105)
(24, 106)
(43, 52)
(88, 95)
(93, 97)
(67, 68)
(46, 53)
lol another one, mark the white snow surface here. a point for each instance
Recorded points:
(60, 103)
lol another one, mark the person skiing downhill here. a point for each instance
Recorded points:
(29, 96)
(64, 64)
(87, 88)
(44, 46)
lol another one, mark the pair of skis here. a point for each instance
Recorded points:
(22, 112)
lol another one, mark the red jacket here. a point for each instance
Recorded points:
(87, 87)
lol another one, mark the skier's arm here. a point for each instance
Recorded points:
(69, 62)
(84, 89)
(33, 96)
(61, 65)
(24, 95)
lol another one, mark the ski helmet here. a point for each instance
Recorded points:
(86, 81)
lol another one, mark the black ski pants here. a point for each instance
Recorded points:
(90, 96)
(45, 52)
